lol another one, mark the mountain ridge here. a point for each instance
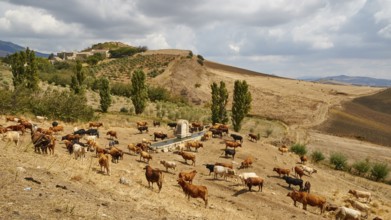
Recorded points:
(8, 48)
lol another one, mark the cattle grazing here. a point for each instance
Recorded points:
(229, 152)
(112, 134)
(172, 125)
(308, 199)
(232, 144)
(194, 144)
(52, 145)
(187, 176)
(141, 123)
(254, 181)
(210, 167)
(243, 176)
(143, 146)
(95, 124)
(283, 149)
(293, 181)
(216, 132)
(253, 137)
(79, 131)
(308, 169)
(194, 191)
(100, 150)
(94, 132)
(54, 124)
(69, 146)
(298, 172)
(159, 135)
(223, 129)
(364, 208)
(237, 138)
(156, 123)
(41, 118)
(11, 118)
(26, 124)
(154, 176)
(145, 156)
(248, 162)
(2, 129)
(57, 128)
(142, 128)
(282, 171)
(188, 156)
(361, 194)
(112, 143)
(223, 171)
(116, 154)
(168, 164)
(343, 213)
(303, 159)
(71, 137)
(79, 151)
(19, 127)
(40, 141)
(207, 135)
(228, 165)
(104, 162)
(11, 136)
(307, 187)
(133, 148)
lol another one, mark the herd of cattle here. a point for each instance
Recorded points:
(82, 141)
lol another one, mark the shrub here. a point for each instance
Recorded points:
(197, 85)
(317, 156)
(339, 161)
(299, 149)
(361, 167)
(269, 131)
(124, 110)
(379, 171)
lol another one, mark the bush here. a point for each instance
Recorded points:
(299, 149)
(361, 167)
(379, 171)
(269, 131)
(197, 85)
(124, 110)
(317, 156)
(339, 161)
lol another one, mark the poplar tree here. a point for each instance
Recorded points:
(78, 79)
(241, 103)
(139, 91)
(219, 102)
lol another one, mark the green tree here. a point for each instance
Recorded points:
(78, 79)
(380, 171)
(24, 69)
(241, 103)
(219, 102)
(139, 91)
(104, 93)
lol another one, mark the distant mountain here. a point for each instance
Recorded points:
(10, 48)
(351, 80)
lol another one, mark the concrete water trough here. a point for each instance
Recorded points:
(173, 144)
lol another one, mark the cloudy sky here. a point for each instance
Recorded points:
(291, 38)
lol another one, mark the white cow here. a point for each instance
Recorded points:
(243, 176)
(343, 213)
(308, 169)
(79, 151)
(11, 136)
(168, 164)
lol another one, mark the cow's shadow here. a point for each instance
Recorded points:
(240, 192)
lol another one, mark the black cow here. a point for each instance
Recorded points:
(159, 135)
(210, 167)
(93, 132)
(293, 181)
(172, 125)
(113, 142)
(237, 137)
(54, 124)
(231, 152)
(80, 132)
(143, 128)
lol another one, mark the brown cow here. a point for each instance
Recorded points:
(194, 191)
(57, 128)
(247, 163)
(104, 162)
(20, 128)
(194, 144)
(112, 134)
(310, 199)
(254, 181)
(298, 171)
(141, 123)
(233, 144)
(303, 159)
(95, 124)
(187, 176)
(253, 137)
(282, 171)
(188, 156)
(154, 175)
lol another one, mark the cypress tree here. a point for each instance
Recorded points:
(219, 102)
(104, 93)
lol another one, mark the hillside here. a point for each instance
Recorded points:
(7, 48)
(366, 118)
